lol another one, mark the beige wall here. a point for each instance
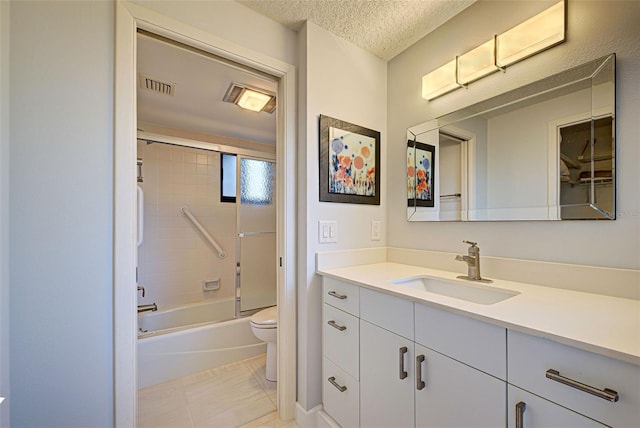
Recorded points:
(594, 29)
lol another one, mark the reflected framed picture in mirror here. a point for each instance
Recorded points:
(421, 159)
(349, 162)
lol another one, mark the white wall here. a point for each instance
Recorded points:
(4, 211)
(344, 82)
(174, 259)
(61, 197)
(595, 29)
(61, 214)
(232, 21)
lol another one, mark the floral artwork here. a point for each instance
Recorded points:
(420, 174)
(351, 163)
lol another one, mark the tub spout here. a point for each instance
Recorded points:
(147, 308)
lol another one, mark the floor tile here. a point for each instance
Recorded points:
(227, 396)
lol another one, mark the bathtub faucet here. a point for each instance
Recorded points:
(147, 308)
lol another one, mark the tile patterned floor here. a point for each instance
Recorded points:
(235, 395)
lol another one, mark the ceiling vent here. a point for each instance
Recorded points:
(155, 85)
(250, 98)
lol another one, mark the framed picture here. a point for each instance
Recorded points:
(421, 160)
(349, 163)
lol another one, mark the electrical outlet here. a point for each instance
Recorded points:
(375, 230)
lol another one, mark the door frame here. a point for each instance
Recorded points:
(129, 18)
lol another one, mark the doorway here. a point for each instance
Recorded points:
(129, 19)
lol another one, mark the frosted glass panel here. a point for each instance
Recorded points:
(257, 196)
(257, 271)
(256, 233)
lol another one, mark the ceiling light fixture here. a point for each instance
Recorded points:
(249, 98)
(528, 38)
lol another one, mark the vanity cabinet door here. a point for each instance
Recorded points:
(456, 395)
(526, 410)
(386, 378)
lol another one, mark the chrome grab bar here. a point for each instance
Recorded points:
(196, 223)
(605, 394)
(333, 324)
(336, 295)
(332, 381)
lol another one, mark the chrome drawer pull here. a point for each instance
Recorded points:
(403, 373)
(420, 384)
(332, 381)
(337, 296)
(333, 324)
(520, 408)
(606, 394)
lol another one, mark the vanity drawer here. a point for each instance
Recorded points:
(341, 295)
(340, 395)
(530, 359)
(469, 341)
(389, 312)
(341, 339)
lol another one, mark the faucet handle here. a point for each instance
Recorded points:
(473, 244)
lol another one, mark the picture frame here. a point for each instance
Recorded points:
(349, 162)
(421, 161)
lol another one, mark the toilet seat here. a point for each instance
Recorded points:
(266, 318)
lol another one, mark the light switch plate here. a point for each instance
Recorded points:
(327, 231)
(375, 230)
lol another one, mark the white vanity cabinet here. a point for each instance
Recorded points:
(600, 388)
(526, 410)
(387, 376)
(391, 362)
(461, 364)
(340, 349)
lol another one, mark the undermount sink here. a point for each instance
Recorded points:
(463, 290)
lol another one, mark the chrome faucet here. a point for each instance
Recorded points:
(473, 262)
(147, 308)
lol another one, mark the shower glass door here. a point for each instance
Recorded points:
(256, 256)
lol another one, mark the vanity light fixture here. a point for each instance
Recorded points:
(249, 98)
(440, 81)
(528, 38)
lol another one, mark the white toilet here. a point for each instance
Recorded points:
(264, 325)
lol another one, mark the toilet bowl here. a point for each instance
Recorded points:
(264, 325)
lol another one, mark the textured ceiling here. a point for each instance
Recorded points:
(382, 27)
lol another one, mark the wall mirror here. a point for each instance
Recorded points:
(545, 151)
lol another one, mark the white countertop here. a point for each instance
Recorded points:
(605, 325)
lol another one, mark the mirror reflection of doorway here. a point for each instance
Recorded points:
(587, 169)
(451, 176)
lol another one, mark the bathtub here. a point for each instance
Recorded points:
(191, 338)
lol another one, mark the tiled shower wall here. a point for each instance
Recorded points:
(175, 259)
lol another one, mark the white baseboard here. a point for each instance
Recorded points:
(308, 418)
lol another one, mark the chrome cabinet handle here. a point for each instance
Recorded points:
(333, 324)
(336, 295)
(605, 394)
(403, 373)
(332, 381)
(520, 408)
(420, 384)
